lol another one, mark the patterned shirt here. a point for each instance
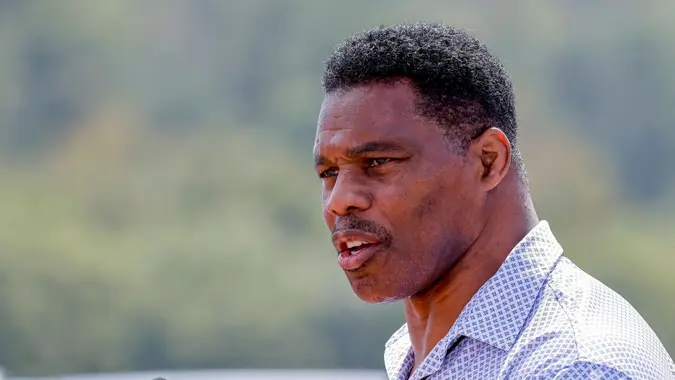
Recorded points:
(539, 317)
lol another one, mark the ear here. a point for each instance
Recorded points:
(492, 153)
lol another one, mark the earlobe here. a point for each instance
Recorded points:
(495, 157)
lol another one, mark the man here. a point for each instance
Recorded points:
(425, 193)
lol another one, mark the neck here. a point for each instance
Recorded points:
(431, 314)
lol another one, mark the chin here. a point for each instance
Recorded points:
(371, 294)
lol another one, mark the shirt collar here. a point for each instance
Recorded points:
(497, 312)
(495, 315)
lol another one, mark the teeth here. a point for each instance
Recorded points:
(355, 243)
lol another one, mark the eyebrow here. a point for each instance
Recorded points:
(365, 149)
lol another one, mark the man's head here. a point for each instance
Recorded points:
(416, 132)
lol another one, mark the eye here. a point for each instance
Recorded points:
(379, 161)
(328, 173)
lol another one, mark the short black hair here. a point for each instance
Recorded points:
(461, 85)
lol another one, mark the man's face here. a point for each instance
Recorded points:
(402, 204)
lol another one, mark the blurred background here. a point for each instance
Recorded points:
(158, 205)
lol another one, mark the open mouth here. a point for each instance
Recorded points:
(356, 253)
(354, 247)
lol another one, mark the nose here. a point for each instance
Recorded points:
(347, 196)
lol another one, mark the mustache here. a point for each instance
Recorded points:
(353, 222)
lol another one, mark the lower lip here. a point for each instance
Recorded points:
(349, 261)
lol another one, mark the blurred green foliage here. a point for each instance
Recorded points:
(158, 207)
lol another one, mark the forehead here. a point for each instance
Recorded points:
(371, 113)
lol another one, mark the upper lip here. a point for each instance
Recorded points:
(340, 239)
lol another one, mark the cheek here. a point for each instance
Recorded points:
(432, 208)
(394, 201)
(428, 204)
(428, 198)
(410, 208)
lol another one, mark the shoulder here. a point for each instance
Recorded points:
(582, 369)
(593, 332)
(635, 368)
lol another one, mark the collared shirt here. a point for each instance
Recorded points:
(539, 317)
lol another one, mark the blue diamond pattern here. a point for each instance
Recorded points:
(539, 317)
